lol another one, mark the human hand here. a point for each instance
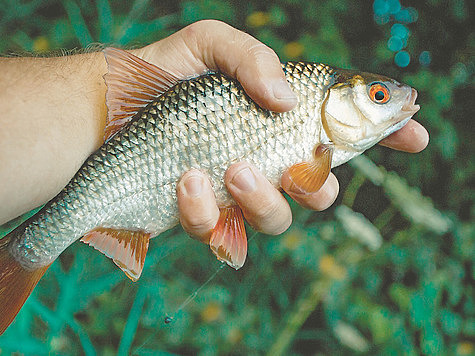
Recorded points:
(214, 45)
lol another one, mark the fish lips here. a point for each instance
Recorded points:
(407, 112)
(410, 107)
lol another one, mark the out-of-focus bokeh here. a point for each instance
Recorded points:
(389, 269)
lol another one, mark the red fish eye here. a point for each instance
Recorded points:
(379, 93)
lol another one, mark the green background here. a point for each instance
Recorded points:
(389, 269)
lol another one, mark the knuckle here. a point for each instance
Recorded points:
(252, 46)
(258, 49)
(198, 222)
(267, 212)
(206, 26)
(272, 218)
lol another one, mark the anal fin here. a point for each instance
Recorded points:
(309, 177)
(228, 240)
(126, 248)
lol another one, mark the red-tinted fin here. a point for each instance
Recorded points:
(126, 248)
(131, 84)
(309, 177)
(16, 284)
(228, 240)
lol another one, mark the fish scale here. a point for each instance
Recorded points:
(131, 180)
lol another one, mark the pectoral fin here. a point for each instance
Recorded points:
(126, 248)
(309, 177)
(228, 240)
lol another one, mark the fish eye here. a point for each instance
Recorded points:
(379, 93)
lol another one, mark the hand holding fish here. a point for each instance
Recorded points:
(213, 45)
(177, 141)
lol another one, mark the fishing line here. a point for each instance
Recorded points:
(168, 319)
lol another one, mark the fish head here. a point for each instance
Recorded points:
(361, 109)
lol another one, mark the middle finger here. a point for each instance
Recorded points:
(263, 206)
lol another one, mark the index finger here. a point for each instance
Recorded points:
(211, 44)
(256, 66)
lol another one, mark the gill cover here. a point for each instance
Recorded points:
(361, 109)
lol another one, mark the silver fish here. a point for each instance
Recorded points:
(160, 127)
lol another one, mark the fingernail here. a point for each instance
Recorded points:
(282, 91)
(244, 180)
(193, 185)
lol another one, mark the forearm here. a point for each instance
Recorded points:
(52, 119)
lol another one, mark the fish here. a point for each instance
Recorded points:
(159, 127)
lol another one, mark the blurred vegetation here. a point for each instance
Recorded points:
(388, 270)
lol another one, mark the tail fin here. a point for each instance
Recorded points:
(16, 284)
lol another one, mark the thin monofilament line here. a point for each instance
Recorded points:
(170, 318)
(195, 293)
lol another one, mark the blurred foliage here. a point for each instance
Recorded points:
(389, 270)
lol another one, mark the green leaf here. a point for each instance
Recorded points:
(137, 30)
(451, 322)
(432, 342)
(105, 20)
(78, 23)
(410, 202)
(423, 305)
(369, 169)
(278, 16)
(381, 325)
(448, 141)
(414, 205)
(469, 326)
(349, 336)
(359, 228)
(132, 321)
(401, 295)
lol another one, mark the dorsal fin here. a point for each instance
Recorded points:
(131, 84)
(125, 247)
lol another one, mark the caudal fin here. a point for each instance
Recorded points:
(16, 284)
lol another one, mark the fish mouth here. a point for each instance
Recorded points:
(410, 106)
(407, 111)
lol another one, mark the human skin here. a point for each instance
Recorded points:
(54, 113)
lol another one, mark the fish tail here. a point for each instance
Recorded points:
(16, 284)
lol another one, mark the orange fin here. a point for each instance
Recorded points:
(228, 240)
(126, 248)
(310, 176)
(131, 84)
(16, 284)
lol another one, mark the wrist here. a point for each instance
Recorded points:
(53, 119)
